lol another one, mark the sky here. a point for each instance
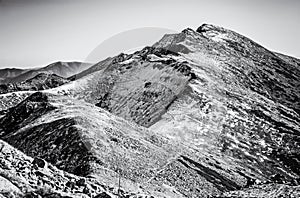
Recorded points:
(38, 32)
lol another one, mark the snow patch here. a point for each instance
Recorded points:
(219, 37)
(127, 61)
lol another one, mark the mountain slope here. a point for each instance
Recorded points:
(23, 176)
(8, 73)
(80, 139)
(253, 66)
(88, 141)
(249, 99)
(211, 89)
(289, 59)
(265, 191)
(136, 86)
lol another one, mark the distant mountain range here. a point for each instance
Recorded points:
(201, 113)
(63, 69)
(41, 81)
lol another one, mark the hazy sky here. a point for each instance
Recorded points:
(38, 32)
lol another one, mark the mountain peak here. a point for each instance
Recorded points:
(208, 27)
(205, 28)
(188, 30)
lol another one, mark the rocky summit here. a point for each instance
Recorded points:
(201, 113)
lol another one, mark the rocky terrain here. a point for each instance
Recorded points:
(205, 113)
(23, 176)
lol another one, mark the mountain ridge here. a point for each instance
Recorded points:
(198, 114)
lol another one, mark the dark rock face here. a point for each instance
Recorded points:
(35, 141)
(27, 111)
(216, 115)
(39, 162)
(103, 195)
(39, 82)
